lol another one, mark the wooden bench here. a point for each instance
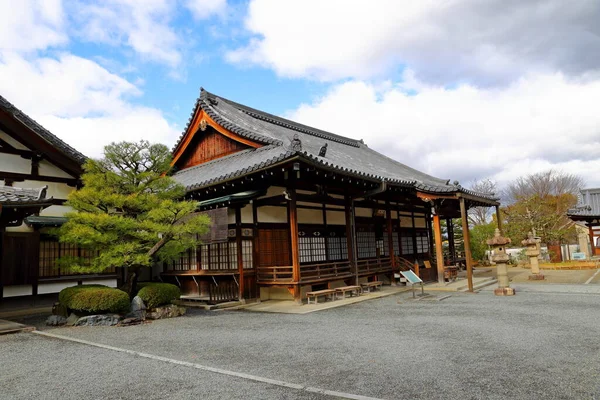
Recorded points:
(371, 285)
(315, 295)
(348, 289)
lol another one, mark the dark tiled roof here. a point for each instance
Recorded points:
(16, 196)
(345, 155)
(45, 134)
(45, 221)
(588, 204)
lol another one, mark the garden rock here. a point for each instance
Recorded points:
(138, 309)
(72, 320)
(168, 311)
(59, 309)
(56, 320)
(98, 320)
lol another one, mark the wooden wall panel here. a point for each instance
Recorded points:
(274, 247)
(20, 258)
(207, 146)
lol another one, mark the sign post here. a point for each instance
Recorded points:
(413, 279)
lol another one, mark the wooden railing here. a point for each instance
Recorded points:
(326, 271)
(274, 274)
(374, 266)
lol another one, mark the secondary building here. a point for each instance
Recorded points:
(37, 173)
(297, 208)
(587, 213)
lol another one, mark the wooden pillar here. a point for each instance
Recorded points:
(399, 231)
(467, 243)
(255, 248)
(498, 218)
(591, 230)
(238, 245)
(451, 241)
(439, 252)
(1, 261)
(390, 233)
(295, 256)
(325, 232)
(350, 234)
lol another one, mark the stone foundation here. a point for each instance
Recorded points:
(169, 311)
(507, 291)
(536, 277)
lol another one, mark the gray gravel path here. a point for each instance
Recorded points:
(34, 367)
(533, 345)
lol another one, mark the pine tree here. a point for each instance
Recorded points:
(130, 212)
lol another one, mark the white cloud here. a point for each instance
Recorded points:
(482, 42)
(143, 26)
(81, 102)
(90, 134)
(203, 9)
(28, 25)
(466, 133)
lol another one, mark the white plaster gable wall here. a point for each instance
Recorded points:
(14, 163)
(48, 169)
(14, 143)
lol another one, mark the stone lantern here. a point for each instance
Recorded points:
(500, 257)
(533, 251)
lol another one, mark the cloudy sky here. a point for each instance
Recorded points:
(461, 89)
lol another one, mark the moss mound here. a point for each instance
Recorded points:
(94, 299)
(156, 294)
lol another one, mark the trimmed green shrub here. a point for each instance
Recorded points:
(94, 299)
(156, 294)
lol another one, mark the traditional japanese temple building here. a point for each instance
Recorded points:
(588, 213)
(303, 208)
(37, 172)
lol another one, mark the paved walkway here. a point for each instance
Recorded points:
(13, 327)
(291, 307)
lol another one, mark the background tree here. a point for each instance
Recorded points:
(482, 215)
(539, 202)
(479, 236)
(129, 212)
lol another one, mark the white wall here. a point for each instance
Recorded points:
(9, 139)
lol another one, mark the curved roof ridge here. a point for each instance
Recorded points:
(286, 123)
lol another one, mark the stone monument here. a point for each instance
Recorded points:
(533, 252)
(500, 257)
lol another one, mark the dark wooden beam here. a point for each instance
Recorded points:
(44, 178)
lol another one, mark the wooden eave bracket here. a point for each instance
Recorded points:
(200, 122)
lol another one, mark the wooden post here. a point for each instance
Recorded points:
(592, 240)
(451, 246)
(439, 252)
(498, 218)
(238, 244)
(1, 261)
(390, 235)
(255, 248)
(325, 232)
(467, 243)
(293, 217)
(350, 234)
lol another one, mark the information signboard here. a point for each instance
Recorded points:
(411, 277)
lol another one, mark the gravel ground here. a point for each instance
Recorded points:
(533, 345)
